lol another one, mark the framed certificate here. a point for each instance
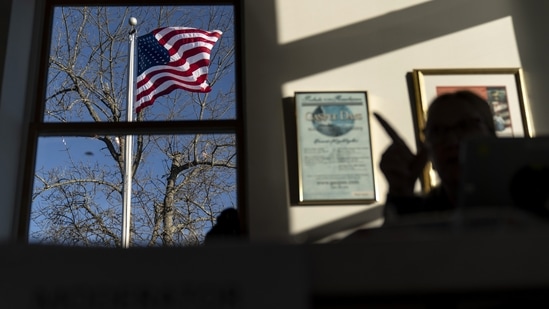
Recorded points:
(334, 148)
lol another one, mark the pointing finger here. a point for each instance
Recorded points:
(389, 129)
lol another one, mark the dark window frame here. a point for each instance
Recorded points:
(38, 128)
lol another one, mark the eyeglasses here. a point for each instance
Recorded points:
(437, 133)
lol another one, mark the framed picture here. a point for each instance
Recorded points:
(334, 148)
(503, 89)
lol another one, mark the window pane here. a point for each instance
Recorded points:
(180, 185)
(88, 64)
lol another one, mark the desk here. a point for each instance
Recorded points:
(408, 267)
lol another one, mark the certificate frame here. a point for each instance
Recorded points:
(503, 88)
(334, 150)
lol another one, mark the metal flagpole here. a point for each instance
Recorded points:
(127, 197)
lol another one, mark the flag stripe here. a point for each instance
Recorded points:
(175, 58)
(167, 77)
(191, 75)
(195, 69)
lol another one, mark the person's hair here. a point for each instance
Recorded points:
(468, 97)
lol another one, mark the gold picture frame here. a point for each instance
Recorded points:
(501, 87)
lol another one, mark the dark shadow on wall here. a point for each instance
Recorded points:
(266, 188)
(290, 130)
(5, 11)
(386, 33)
(530, 24)
(355, 221)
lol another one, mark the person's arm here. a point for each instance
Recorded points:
(399, 164)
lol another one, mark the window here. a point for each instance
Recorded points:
(186, 148)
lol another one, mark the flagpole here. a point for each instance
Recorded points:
(127, 194)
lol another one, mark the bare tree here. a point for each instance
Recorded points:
(181, 181)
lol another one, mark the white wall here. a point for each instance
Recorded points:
(356, 45)
(321, 45)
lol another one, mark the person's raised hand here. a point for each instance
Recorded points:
(400, 166)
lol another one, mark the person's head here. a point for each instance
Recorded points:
(452, 118)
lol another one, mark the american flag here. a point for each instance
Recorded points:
(172, 58)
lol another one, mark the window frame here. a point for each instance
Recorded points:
(38, 128)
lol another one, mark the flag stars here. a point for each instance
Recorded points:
(151, 53)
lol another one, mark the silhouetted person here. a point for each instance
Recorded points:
(226, 228)
(451, 118)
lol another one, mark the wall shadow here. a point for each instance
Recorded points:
(290, 130)
(386, 33)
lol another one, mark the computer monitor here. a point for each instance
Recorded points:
(505, 172)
